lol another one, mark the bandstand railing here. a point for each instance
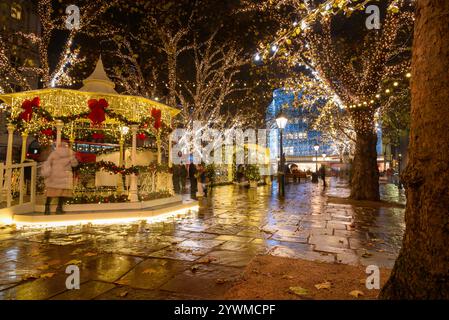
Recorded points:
(13, 185)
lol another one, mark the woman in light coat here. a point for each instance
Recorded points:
(57, 171)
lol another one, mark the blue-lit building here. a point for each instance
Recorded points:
(299, 137)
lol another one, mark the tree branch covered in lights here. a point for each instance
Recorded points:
(354, 66)
(134, 77)
(52, 22)
(216, 67)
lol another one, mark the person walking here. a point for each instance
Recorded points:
(176, 178)
(57, 171)
(323, 175)
(183, 176)
(193, 180)
(203, 179)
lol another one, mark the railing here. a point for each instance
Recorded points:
(13, 183)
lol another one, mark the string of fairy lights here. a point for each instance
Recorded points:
(337, 77)
(385, 91)
(68, 57)
(323, 11)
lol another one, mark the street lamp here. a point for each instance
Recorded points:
(124, 130)
(316, 147)
(281, 121)
(324, 156)
(399, 171)
(315, 176)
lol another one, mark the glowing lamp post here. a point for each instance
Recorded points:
(281, 122)
(399, 171)
(315, 176)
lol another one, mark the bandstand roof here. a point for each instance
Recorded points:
(66, 102)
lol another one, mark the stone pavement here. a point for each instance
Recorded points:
(198, 256)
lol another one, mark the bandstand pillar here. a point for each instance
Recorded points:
(159, 153)
(120, 163)
(170, 156)
(8, 173)
(59, 125)
(10, 128)
(24, 147)
(133, 197)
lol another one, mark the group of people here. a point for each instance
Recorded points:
(58, 175)
(197, 177)
(57, 171)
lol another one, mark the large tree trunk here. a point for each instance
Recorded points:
(172, 64)
(422, 268)
(365, 173)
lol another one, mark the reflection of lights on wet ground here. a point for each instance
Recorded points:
(109, 221)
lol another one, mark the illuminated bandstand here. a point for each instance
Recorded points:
(140, 180)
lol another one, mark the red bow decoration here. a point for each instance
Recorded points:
(97, 110)
(157, 115)
(141, 136)
(157, 123)
(97, 136)
(47, 132)
(27, 107)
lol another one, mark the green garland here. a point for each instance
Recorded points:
(91, 168)
(115, 198)
(42, 113)
(87, 199)
(155, 195)
(116, 149)
(252, 172)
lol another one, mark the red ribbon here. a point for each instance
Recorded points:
(97, 110)
(47, 132)
(157, 115)
(27, 107)
(97, 136)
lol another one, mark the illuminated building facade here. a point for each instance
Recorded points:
(299, 138)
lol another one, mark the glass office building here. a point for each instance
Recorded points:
(299, 137)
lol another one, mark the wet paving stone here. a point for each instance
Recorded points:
(40, 289)
(153, 273)
(380, 259)
(231, 258)
(88, 291)
(127, 293)
(233, 238)
(108, 268)
(288, 252)
(198, 255)
(200, 243)
(348, 257)
(197, 235)
(253, 247)
(181, 253)
(208, 281)
(13, 272)
(329, 241)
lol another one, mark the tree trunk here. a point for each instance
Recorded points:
(365, 173)
(172, 64)
(422, 268)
